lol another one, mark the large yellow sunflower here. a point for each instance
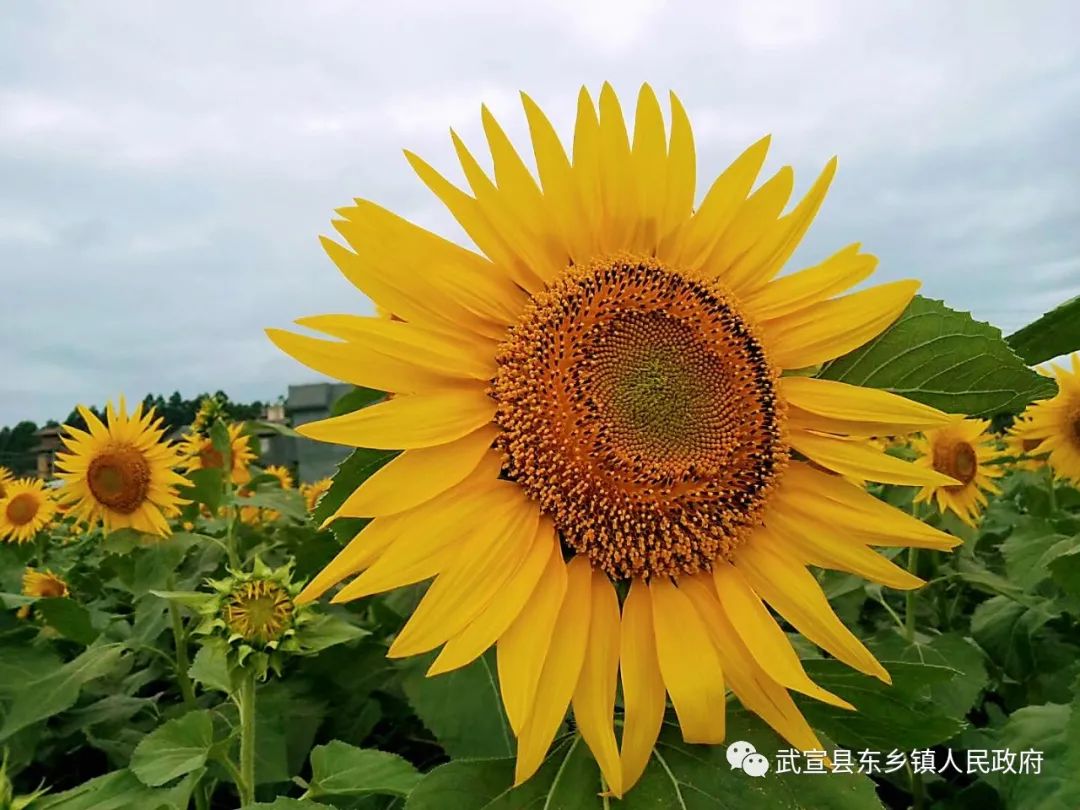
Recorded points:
(1053, 425)
(596, 396)
(26, 510)
(121, 472)
(199, 453)
(964, 450)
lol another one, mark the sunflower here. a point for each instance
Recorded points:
(42, 584)
(121, 472)
(597, 397)
(199, 453)
(6, 477)
(1022, 448)
(1055, 423)
(26, 510)
(282, 474)
(964, 450)
(313, 491)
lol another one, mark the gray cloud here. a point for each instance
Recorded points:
(167, 167)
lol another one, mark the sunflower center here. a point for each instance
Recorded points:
(120, 479)
(638, 408)
(957, 461)
(259, 611)
(22, 509)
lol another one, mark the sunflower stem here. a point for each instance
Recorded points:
(183, 663)
(918, 794)
(1051, 493)
(246, 704)
(909, 597)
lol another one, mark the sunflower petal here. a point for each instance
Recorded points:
(752, 221)
(649, 158)
(562, 667)
(828, 329)
(417, 476)
(594, 696)
(504, 608)
(794, 593)
(681, 171)
(768, 644)
(695, 681)
(408, 422)
(865, 463)
(841, 271)
(523, 648)
(642, 684)
(845, 404)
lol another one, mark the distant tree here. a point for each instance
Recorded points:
(17, 448)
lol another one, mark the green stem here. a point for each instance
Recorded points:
(183, 663)
(246, 704)
(909, 597)
(230, 529)
(1051, 493)
(918, 793)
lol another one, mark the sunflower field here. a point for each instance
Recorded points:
(636, 515)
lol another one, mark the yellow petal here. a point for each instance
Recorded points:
(460, 593)
(642, 685)
(360, 552)
(562, 666)
(649, 158)
(767, 643)
(417, 476)
(429, 537)
(681, 171)
(506, 605)
(751, 684)
(523, 648)
(831, 328)
(862, 462)
(557, 179)
(594, 695)
(826, 549)
(689, 664)
(467, 211)
(828, 501)
(841, 271)
(586, 167)
(752, 221)
(408, 422)
(618, 185)
(837, 407)
(716, 211)
(794, 593)
(764, 260)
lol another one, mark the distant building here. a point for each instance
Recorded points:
(309, 403)
(48, 445)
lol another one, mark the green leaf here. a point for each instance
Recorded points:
(21, 665)
(121, 790)
(287, 502)
(173, 749)
(277, 427)
(1054, 730)
(943, 358)
(351, 473)
(1055, 333)
(1004, 628)
(285, 803)
(355, 400)
(1065, 570)
(679, 775)
(956, 696)
(902, 715)
(210, 666)
(59, 689)
(1030, 550)
(208, 487)
(68, 618)
(341, 769)
(328, 631)
(461, 708)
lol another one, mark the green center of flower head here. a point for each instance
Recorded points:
(637, 406)
(120, 479)
(22, 508)
(957, 460)
(258, 611)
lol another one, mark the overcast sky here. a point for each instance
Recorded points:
(166, 168)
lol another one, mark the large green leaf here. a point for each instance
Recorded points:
(461, 708)
(121, 790)
(1006, 629)
(1055, 333)
(1052, 730)
(946, 359)
(339, 769)
(68, 618)
(59, 689)
(177, 747)
(902, 715)
(679, 775)
(955, 696)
